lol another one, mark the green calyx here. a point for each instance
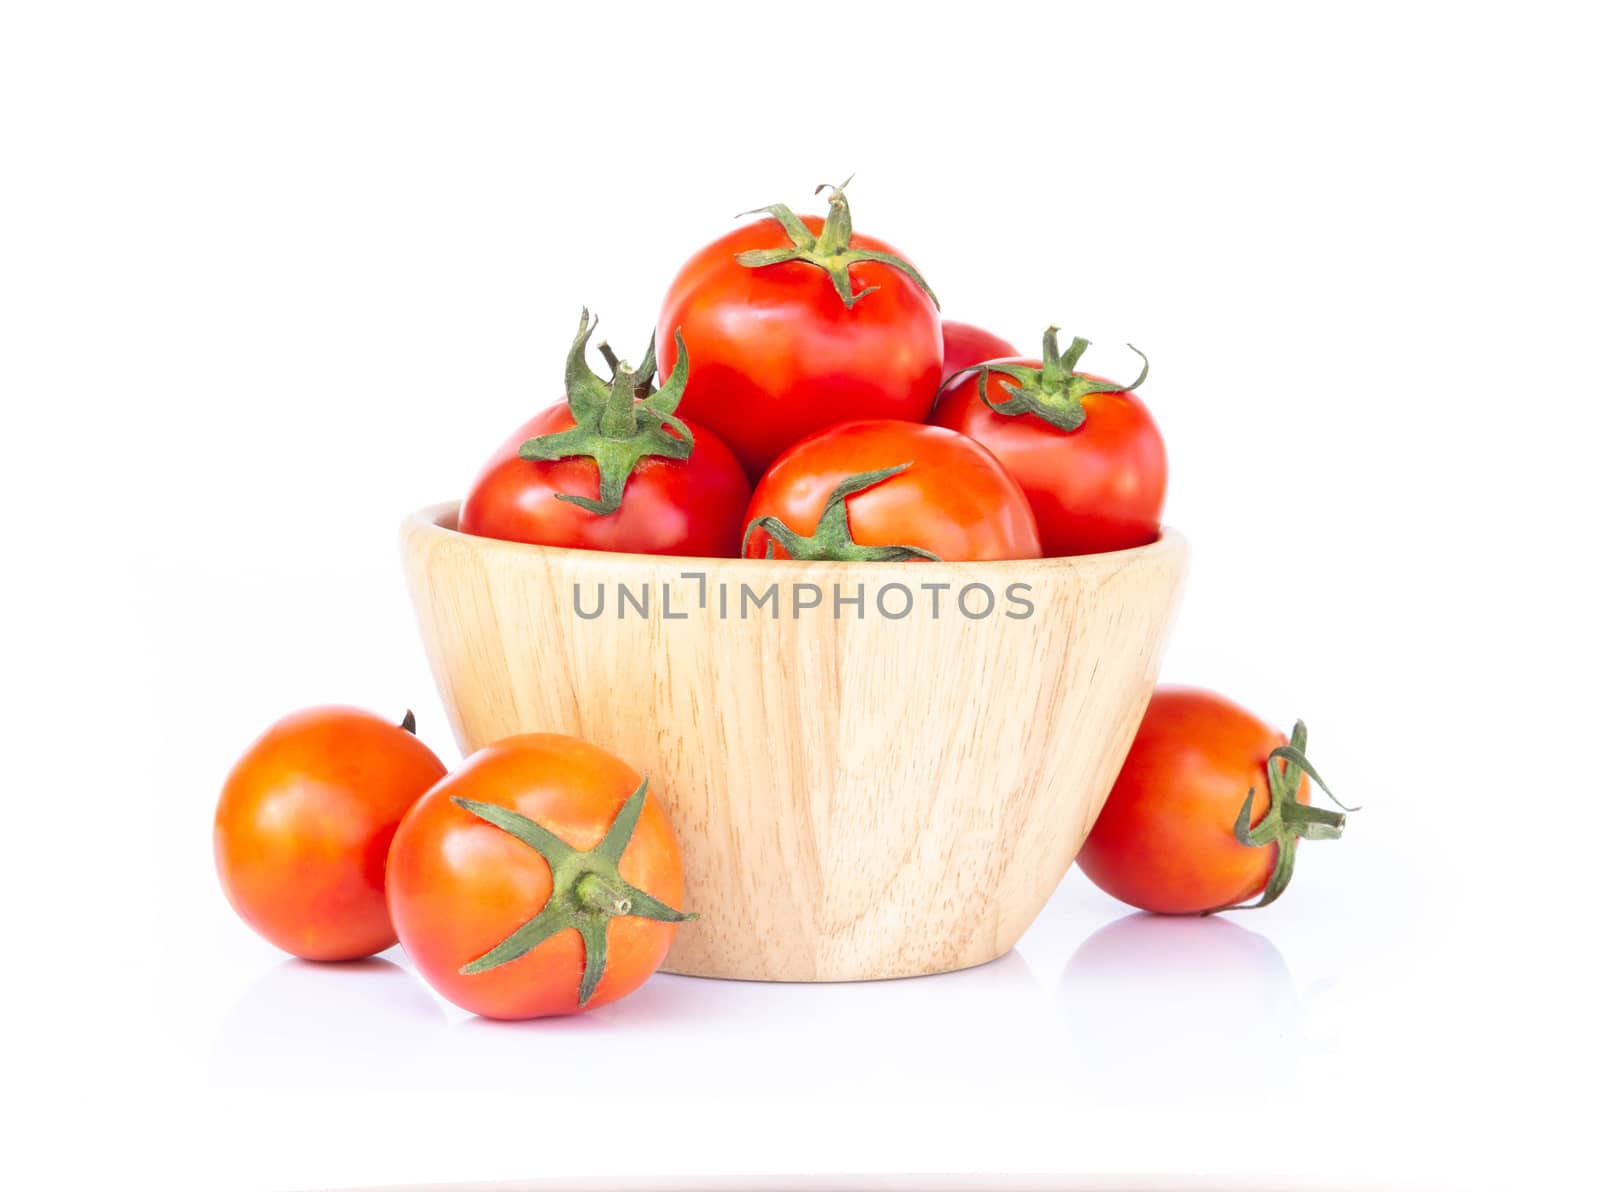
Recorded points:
(586, 890)
(832, 538)
(618, 423)
(1053, 391)
(1287, 820)
(829, 250)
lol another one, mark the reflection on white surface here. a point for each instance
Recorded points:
(1142, 1036)
(373, 1024)
(1095, 1041)
(1178, 1007)
(1148, 1008)
(359, 1023)
(717, 1035)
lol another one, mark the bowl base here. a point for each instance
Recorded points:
(829, 978)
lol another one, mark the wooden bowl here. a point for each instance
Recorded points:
(894, 791)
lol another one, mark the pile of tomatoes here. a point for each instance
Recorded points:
(811, 405)
(810, 362)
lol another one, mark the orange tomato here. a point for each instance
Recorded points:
(1167, 840)
(539, 878)
(304, 823)
(886, 490)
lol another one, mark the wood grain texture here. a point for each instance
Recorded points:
(859, 797)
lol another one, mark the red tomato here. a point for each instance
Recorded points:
(1085, 450)
(538, 879)
(612, 470)
(966, 346)
(794, 324)
(304, 823)
(886, 490)
(1202, 771)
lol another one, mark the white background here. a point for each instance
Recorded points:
(273, 275)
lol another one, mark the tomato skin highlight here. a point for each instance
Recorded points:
(955, 500)
(458, 886)
(689, 507)
(775, 355)
(966, 345)
(303, 827)
(1098, 488)
(1164, 841)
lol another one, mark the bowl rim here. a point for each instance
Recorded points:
(438, 521)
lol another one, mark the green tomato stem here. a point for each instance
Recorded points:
(1288, 821)
(1053, 391)
(586, 890)
(830, 250)
(832, 539)
(616, 424)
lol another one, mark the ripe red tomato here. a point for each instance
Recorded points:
(537, 879)
(1084, 449)
(887, 490)
(614, 469)
(304, 823)
(1206, 811)
(966, 346)
(795, 323)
